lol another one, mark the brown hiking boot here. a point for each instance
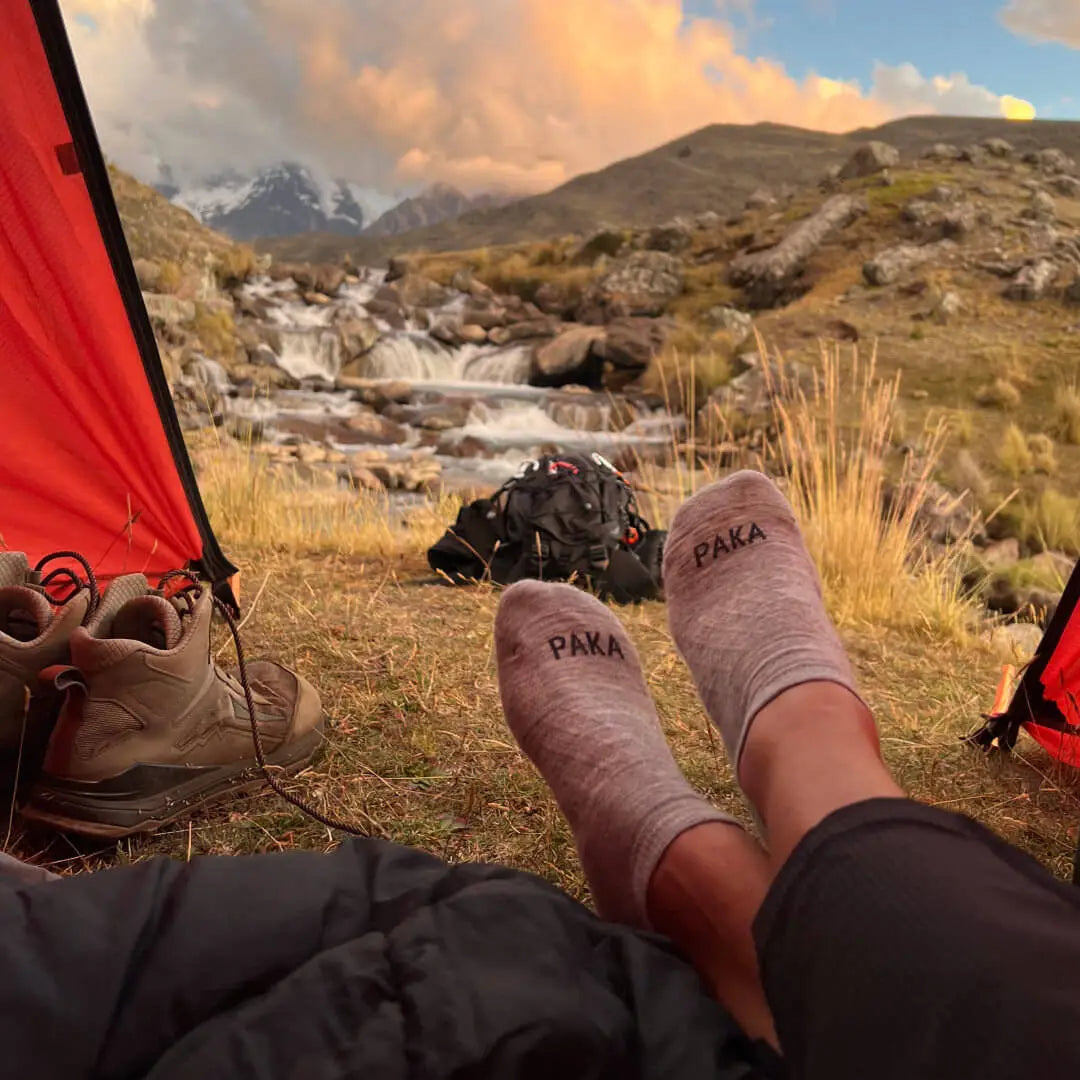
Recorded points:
(151, 728)
(34, 634)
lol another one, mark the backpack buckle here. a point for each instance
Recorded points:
(598, 557)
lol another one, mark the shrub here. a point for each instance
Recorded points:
(170, 277)
(1014, 454)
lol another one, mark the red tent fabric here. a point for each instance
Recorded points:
(91, 454)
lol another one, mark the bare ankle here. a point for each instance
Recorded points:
(811, 751)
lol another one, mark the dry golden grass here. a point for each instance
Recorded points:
(1067, 414)
(837, 480)
(1014, 455)
(255, 504)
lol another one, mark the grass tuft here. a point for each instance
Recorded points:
(1014, 454)
(1067, 414)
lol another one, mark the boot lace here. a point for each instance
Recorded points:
(188, 595)
(65, 575)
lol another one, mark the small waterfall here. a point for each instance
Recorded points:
(310, 354)
(418, 358)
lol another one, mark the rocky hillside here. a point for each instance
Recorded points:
(715, 169)
(958, 267)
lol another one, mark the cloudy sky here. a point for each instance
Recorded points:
(524, 94)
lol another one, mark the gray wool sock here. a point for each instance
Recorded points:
(744, 603)
(576, 700)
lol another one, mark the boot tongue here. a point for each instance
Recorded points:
(13, 568)
(24, 613)
(149, 619)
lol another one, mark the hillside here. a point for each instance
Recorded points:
(715, 168)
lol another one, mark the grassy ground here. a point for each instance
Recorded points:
(418, 752)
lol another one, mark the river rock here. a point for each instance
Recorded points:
(415, 290)
(357, 336)
(524, 331)
(642, 283)
(486, 317)
(627, 348)
(772, 276)
(471, 334)
(567, 358)
(890, 265)
(396, 269)
(202, 371)
(370, 427)
(870, 158)
(558, 298)
(323, 278)
(376, 393)
(262, 378)
(389, 310)
(1033, 282)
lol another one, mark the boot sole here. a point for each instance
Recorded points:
(120, 806)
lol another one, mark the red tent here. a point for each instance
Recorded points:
(93, 457)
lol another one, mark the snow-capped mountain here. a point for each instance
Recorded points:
(280, 201)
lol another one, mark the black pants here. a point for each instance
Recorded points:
(902, 941)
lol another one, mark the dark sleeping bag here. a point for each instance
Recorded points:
(375, 961)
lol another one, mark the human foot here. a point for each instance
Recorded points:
(577, 703)
(744, 603)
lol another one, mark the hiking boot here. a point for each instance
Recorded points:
(151, 728)
(34, 634)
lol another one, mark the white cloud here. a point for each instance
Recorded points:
(520, 94)
(1044, 20)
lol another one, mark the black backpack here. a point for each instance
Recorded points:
(566, 517)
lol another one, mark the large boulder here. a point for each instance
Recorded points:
(887, 267)
(1033, 282)
(1069, 186)
(627, 349)
(942, 152)
(559, 299)
(415, 290)
(999, 148)
(325, 278)
(370, 427)
(1051, 160)
(772, 276)
(674, 238)
(761, 199)
(486, 316)
(642, 283)
(872, 157)
(568, 359)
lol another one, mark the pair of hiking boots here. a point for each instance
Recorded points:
(114, 718)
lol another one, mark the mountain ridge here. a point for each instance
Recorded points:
(713, 168)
